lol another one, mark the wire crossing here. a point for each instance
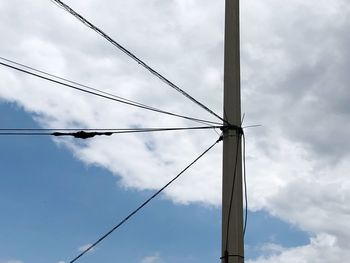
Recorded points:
(144, 203)
(98, 93)
(134, 57)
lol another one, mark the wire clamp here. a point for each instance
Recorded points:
(229, 127)
(220, 139)
(227, 256)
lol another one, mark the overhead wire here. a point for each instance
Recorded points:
(104, 95)
(89, 133)
(245, 186)
(114, 129)
(134, 57)
(120, 131)
(143, 204)
(72, 82)
(245, 176)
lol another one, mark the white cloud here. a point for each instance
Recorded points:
(295, 65)
(322, 249)
(152, 259)
(272, 248)
(137, 166)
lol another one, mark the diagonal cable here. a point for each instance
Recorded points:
(134, 57)
(143, 204)
(72, 82)
(114, 98)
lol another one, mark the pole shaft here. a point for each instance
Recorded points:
(232, 114)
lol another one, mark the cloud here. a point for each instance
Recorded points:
(11, 261)
(303, 73)
(300, 168)
(295, 64)
(152, 259)
(322, 248)
(136, 165)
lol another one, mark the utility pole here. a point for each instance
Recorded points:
(232, 194)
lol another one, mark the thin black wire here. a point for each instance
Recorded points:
(73, 82)
(245, 176)
(123, 101)
(115, 129)
(85, 86)
(245, 186)
(144, 203)
(134, 57)
(54, 132)
(24, 134)
(232, 191)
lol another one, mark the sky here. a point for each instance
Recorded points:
(58, 195)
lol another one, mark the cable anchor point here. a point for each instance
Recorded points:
(230, 127)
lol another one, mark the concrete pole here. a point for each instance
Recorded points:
(233, 247)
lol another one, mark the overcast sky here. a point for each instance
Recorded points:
(58, 195)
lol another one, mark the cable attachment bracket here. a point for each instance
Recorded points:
(230, 127)
(226, 256)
